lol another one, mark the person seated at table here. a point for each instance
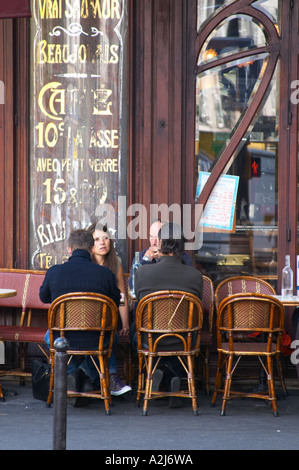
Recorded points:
(80, 274)
(151, 254)
(104, 254)
(169, 274)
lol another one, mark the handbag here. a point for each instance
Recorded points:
(40, 380)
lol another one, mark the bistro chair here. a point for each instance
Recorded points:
(251, 314)
(168, 323)
(248, 284)
(88, 313)
(242, 284)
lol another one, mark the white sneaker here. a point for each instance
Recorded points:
(117, 387)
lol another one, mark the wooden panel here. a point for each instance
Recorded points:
(288, 141)
(6, 146)
(157, 154)
(162, 89)
(22, 143)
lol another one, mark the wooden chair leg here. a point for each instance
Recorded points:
(271, 385)
(104, 389)
(148, 385)
(192, 384)
(140, 379)
(1, 394)
(51, 383)
(217, 379)
(107, 378)
(227, 386)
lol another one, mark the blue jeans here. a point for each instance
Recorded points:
(87, 365)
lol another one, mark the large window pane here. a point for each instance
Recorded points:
(223, 94)
(224, 40)
(79, 124)
(206, 8)
(271, 8)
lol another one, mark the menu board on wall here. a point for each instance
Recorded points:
(219, 212)
(78, 154)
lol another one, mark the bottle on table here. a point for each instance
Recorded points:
(136, 265)
(287, 279)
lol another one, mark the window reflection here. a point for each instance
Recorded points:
(206, 8)
(236, 34)
(223, 94)
(271, 8)
(222, 97)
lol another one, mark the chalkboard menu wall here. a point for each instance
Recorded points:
(78, 154)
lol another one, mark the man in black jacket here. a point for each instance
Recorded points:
(79, 273)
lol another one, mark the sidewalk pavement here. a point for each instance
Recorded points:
(27, 424)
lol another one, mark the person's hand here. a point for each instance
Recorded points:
(124, 332)
(152, 253)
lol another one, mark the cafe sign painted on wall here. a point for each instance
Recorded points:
(78, 124)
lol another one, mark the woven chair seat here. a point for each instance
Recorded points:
(249, 348)
(22, 333)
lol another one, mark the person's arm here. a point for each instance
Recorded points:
(44, 291)
(114, 290)
(123, 309)
(187, 260)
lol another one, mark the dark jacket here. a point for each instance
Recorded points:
(79, 274)
(170, 273)
(185, 257)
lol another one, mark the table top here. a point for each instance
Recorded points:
(7, 293)
(292, 301)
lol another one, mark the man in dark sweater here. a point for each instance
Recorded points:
(151, 254)
(80, 274)
(169, 273)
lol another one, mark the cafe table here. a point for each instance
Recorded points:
(7, 293)
(290, 301)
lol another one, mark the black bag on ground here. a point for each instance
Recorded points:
(40, 380)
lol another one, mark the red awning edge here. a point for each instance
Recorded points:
(15, 9)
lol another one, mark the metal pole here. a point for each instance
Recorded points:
(60, 394)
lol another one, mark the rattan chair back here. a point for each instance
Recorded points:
(174, 315)
(81, 311)
(251, 313)
(85, 312)
(242, 284)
